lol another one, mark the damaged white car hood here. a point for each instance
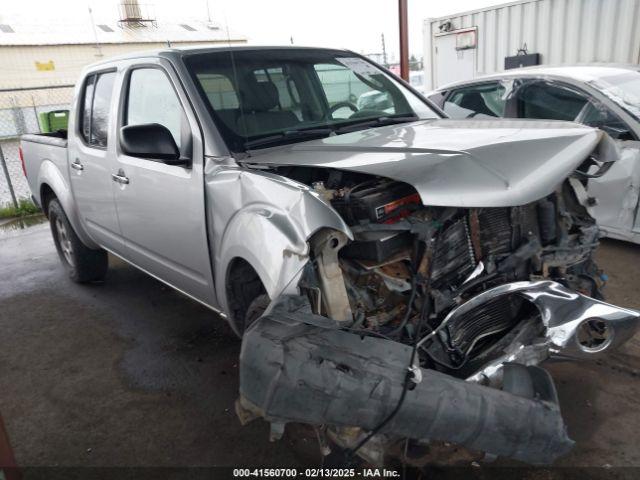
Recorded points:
(482, 163)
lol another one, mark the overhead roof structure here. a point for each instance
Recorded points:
(56, 33)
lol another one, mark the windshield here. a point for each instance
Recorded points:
(622, 88)
(261, 98)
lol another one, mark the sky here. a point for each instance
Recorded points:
(353, 24)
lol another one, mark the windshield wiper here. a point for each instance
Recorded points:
(376, 122)
(302, 133)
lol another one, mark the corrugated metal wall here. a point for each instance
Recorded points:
(562, 31)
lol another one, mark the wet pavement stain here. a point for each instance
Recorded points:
(12, 225)
(128, 368)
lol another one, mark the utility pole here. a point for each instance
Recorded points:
(208, 12)
(404, 38)
(95, 34)
(384, 52)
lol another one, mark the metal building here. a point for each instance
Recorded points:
(469, 44)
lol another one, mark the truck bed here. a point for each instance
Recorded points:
(56, 139)
(39, 152)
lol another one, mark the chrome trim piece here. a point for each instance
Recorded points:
(562, 311)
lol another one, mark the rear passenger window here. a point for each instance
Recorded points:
(86, 108)
(94, 121)
(152, 99)
(479, 101)
(100, 111)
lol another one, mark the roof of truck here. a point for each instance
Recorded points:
(180, 50)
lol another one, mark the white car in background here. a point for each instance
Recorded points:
(416, 80)
(602, 96)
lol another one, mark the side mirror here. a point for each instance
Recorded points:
(150, 140)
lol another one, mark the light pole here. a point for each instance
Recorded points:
(404, 39)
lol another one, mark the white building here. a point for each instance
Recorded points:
(40, 62)
(36, 55)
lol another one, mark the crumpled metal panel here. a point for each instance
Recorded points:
(266, 220)
(562, 312)
(616, 194)
(471, 163)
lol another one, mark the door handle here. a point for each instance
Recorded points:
(120, 178)
(76, 165)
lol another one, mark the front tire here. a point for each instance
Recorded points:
(82, 263)
(256, 309)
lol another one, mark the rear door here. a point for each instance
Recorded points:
(161, 207)
(91, 163)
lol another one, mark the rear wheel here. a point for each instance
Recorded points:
(82, 263)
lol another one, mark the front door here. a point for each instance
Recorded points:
(161, 207)
(614, 195)
(91, 164)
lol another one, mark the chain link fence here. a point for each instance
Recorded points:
(20, 111)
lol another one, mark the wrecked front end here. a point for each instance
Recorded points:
(430, 325)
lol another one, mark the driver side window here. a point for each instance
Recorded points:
(347, 94)
(152, 99)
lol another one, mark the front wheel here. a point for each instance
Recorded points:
(82, 263)
(256, 309)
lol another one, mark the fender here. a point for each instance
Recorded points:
(49, 174)
(266, 220)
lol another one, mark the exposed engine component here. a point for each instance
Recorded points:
(376, 201)
(390, 260)
(454, 259)
(326, 246)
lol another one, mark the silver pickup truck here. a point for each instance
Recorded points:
(396, 277)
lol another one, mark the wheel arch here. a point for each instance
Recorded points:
(266, 220)
(52, 184)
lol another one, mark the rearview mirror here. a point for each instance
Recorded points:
(150, 140)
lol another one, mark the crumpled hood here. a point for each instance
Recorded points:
(471, 163)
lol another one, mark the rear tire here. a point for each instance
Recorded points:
(82, 263)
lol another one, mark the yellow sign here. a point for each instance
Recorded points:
(45, 66)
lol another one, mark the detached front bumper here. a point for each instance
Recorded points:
(296, 366)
